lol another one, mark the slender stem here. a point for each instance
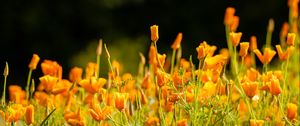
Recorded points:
(173, 61)
(281, 111)
(4, 89)
(209, 116)
(28, 83)
(157, 58)
(98, 64)
(268, 39)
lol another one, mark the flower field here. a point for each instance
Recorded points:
(242, 84)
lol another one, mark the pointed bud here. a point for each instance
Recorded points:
(34, 61)
(271, 25)
(177, 41)
(6, 70)
(99, 48)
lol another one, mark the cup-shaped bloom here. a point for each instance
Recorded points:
(75, 74)
(267, 57)
(154, 33)
(34, 61)
(177, 41)
(120, 100)
(235, 38)
(292, 111)
(244, 46)
(250, 88)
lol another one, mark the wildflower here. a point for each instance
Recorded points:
(244, 48)
(34, 61)
(250, 88)
(284, 55)
(254, 122)
(205, 50)
(292, 111)
(267, 57)
(252, 74)
(229, 15)
(162, 78)
(146, 83)
(293, 4)
(176, 43)
(182, 122)
(179, 80)
(235, 38)
(74, 119)
(42, 98)
(120, 100)
(16, 94)
(174, 97)
(144, 98)
(51, 68)
(152, 121)
(235, 23)
(75, 74)
(253, 43)
(100, 114)
(273, 86)
(92, 85)
(154, 33)
(291, 39)
(29, 115)
(48, 82)
(91, 69)
(284, 29)
(15, 112)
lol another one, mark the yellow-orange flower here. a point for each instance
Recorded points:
(92, 85)
(15, 112)
(284, 55)
(235, 23)
(250, 88)
(51, 68)
(205, 49)
(75, 74)
(267, 57)
(244, 49)
(182, 122)
(273, 86)
(34, 61)
(229, 15)
(90, 69)
(100, 114)
(48, 82)
(162, 78)
(120, 100)
(253, 43)
(284, 29)
(235, 38)
(154, 33)
(29, 115)
(74, 119)
(176, 43)
(254, 122)
(290, 39)
(152, 121)
(292, 110)
(42, 98)
(16, 94)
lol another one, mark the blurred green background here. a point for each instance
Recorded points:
(68, 31)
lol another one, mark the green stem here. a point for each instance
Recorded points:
(4, 89)
(98, 64)
(157, 58)
(281, 111)
(28, 83)
(268, 39)
(173, 61)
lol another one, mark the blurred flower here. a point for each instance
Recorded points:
(34, 61)
(92, 85)
(51, 68)
(244, 48)
(16, 94)
(292, 110)
(154, 33)
(254, 122)
(74, 119)
(229, 15)
(290, 39)
(235, 38)
(250, 88)
(284, 55)
(253, 43)
(176, 43)
(120, 100)
(267, 57)
(75, 74)
(182, 122)
(152, 121)
(29, 115)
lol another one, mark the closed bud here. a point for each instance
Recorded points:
(34, 61)
(154, 33)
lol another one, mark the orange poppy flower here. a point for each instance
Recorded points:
(284, 29)
(273, 86)
(267, 57)
(100, 114)
(235, 23)
(48, 82)
(15, 112)
(290, 39)
(120, 100)
(182, 122)
(152, 121)
(51, 68)
(29, 115)
(244, 49)
(75, 74)
(235, 38)
(205, 49)
(154, 33)
(250, 88)
(162, 78)
(34, 61)
(90, 69)
(254, 122)
(42, 98)
(284, 55)
(75, 119)
(16, 94)
(253, 43)
(176, 43)
(229, 15)
(292, 111)
(92, 85)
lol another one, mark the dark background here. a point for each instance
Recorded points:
(68, 31)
